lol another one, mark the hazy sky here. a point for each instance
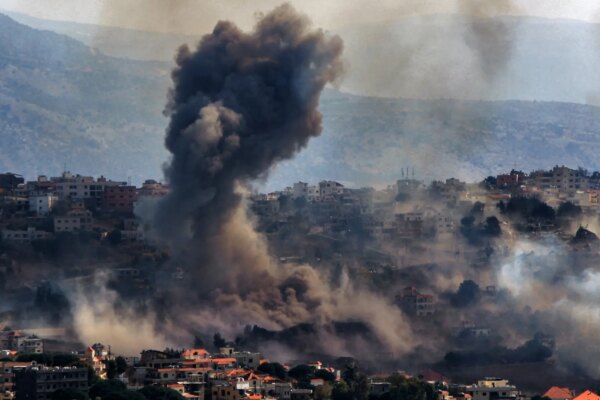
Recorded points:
(198, 16)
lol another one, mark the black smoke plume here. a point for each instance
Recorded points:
(240, 103)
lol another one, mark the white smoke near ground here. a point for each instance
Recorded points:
(99, 317)
(547, 280)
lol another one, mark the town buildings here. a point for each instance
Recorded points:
(39, 382)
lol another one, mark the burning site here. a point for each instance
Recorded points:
(298, 201)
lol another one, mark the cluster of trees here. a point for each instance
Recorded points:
(354, 386)
(478, 230)
(534, 209)
(534, 350)
(116, 390)
(468, 294)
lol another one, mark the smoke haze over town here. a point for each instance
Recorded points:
(295, 201)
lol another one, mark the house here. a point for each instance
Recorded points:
(224, 391)
(193, 354)
(378, 386)
(280, 390)
(558, 393)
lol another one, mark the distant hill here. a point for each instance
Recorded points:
(370, 140)
(64, 103)
(117, 42)
(431, 56)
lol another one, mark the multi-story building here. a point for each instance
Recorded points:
(10, 181)
(25, 235)
(7, 377)
(415, 303)
(564, 179)
(280, 390)
(300, 189)
(120, 198)
(224, 391)
(328, 189)
(70, 186)
(493, 389)
(30, 345)
(152, 189)
(513, 179)
(77, 219)
(42, 203)
(247, 359)
(39, 382)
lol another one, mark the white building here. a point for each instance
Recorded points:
(42, 203)
(70, 186)
(493, 389)
(313, 193)
(300, 189)
(76, 220)
(331, 188)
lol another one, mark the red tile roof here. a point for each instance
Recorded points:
(587, 395)
(556, 392)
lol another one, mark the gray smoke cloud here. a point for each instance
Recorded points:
(241, 102)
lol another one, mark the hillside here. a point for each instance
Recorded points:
(430, 56)
(63, 103)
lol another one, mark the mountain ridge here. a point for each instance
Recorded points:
(103, 115)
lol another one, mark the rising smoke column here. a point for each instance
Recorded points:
(240, 103)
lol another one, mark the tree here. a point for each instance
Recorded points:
(323, 392)
(489, 182)
(198, 342)
(341, 391)
(124, 395)
(301, 371)
(114, 237)
(477, 208)
(121, 365)
(568, 210)
(68, 394)
(468, 293)
(218, 341)
(467, 221)
(105, 388)
(325, 375)
(111, 369)
(492, 226)
(274, 369)
(159, 393)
